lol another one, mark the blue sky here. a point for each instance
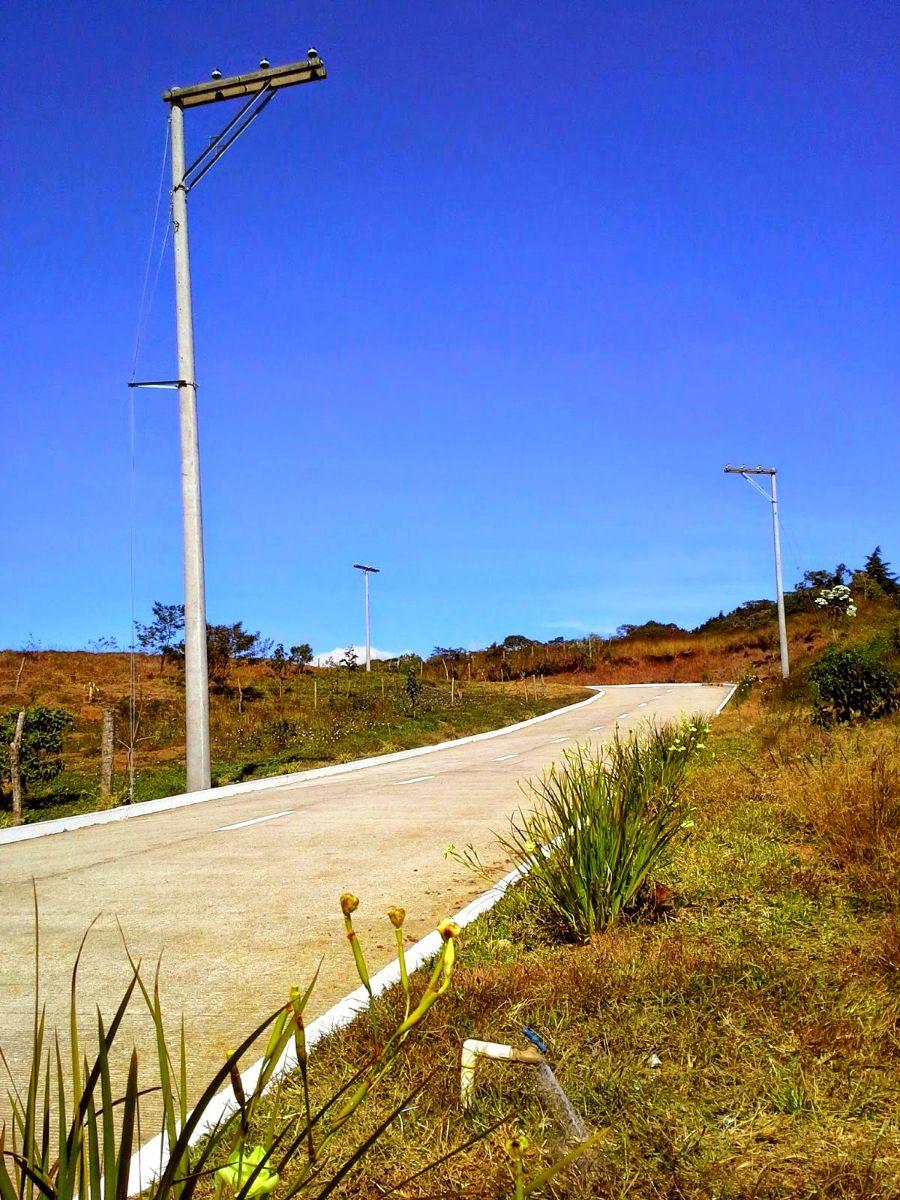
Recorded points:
(490, 308)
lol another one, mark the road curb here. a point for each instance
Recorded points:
(127, 812)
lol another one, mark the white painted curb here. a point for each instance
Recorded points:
(125, 812)
(149, 1162)
(734, 688)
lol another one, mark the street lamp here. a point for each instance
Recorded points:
(748, 473)
(260, 88)
(367, 571)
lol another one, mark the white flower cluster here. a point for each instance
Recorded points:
(838, 598)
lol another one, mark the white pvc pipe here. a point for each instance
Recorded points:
(473, 1049)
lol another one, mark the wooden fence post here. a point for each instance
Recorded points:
(106, 752)
(15, 769)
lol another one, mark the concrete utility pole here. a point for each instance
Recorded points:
(772, 497)
(367, 571)
(257, 89)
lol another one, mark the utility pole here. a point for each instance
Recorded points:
(257, 89)
(772, 497)
(367, 571)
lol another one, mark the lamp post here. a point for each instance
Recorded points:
(367, 571)
(772, 497)
(257, 89)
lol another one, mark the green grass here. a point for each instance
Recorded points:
(352, 716)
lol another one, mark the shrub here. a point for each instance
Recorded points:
(853, 683)
(600, 824)
(42, 741)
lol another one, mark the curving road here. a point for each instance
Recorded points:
(239, 893)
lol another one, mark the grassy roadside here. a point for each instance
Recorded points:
(330, 717)
(743, 1042)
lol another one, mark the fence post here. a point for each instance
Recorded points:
(15, 769)
(106, 752)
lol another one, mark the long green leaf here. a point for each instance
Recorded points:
(126, 1138)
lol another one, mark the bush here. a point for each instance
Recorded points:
(601, 823)
(42, 740)
(852, 684)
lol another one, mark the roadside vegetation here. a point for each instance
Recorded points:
(270, 717)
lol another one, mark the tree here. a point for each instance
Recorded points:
(877, 571)
(516, 641)
(279, 665)
(225, 644)
(302, 655)
(350, 659)
(41, 747)
(165, 633)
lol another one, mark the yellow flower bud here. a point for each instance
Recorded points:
(448, 929)
(396, 916)
(349, 903)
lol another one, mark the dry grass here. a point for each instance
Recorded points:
(768, 994)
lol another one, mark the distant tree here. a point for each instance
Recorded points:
(302, 655)
(451, 653)
(42, 743)
(224, 645)
(879, 572)
(516, 641)
(350, 659)
(413, 688)
(104, 644)
(164, 634)
(279, 665)
(649, 629)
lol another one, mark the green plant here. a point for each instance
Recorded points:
(600, 823)
(853, 683)
(71, 1138)
(42, 743)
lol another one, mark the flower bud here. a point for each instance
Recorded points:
(448, 929)
(349, 903)
(396, 916)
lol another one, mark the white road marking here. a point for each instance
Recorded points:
(557, 740)
(418, 779)
(643, 704)
(505, 757)
(256, 821)
(597, 728)
(621, 716)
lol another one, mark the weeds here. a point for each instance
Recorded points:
(600, 823)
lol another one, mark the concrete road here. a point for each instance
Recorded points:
(240, 894)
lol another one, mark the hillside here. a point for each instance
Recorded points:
(270, 715)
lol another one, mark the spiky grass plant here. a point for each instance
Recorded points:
(599, 823)
(70, 1138)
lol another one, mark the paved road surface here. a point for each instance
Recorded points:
(239, 895)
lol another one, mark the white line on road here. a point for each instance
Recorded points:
(505, 757)
(418, 779)
(622, 716)
(557, 740)
(597, 728)
(256, 821)
(643, 704)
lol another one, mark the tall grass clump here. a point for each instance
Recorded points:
(600, 822)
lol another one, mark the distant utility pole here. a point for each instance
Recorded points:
(367, 571)
(257, 89)
(748, 473)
